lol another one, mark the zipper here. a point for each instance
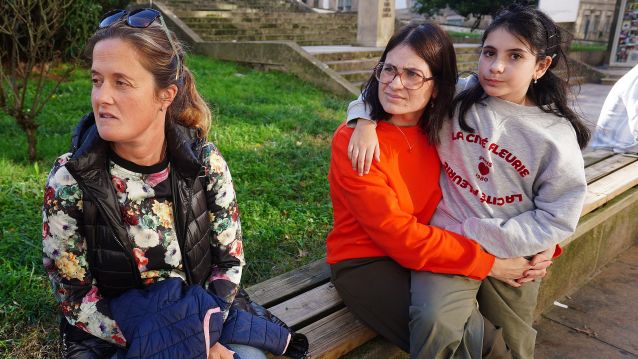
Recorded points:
(179, 231)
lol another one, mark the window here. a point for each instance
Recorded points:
(344, 5)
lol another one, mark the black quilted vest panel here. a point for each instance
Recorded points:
(110, 254)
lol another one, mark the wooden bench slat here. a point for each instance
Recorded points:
(336, 334)
(592, 156)
(607, 166)
(308, 305)
(610, 186)
(276, 289)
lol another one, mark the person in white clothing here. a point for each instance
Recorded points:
(617, 127)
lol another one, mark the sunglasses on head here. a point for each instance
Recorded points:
(140, 18)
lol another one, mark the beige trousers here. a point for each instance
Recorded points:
(445, 321)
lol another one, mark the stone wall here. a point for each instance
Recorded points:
(601, 236)
(265, 20)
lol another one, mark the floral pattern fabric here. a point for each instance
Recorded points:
(147, 210)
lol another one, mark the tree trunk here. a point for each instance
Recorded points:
(31, 142)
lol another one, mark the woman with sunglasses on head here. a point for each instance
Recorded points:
(381, 219)
(141, 233)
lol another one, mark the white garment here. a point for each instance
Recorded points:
(617, 127)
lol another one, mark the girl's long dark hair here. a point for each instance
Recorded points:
(533, 27)
(434, 46)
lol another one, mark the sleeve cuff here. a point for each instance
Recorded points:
(484, 264)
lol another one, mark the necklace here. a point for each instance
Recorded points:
(404, 137)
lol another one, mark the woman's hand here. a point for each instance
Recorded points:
(218, 351)
(539, 263)
(510, 269)
(363, 145)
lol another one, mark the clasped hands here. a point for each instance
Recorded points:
(519, 270)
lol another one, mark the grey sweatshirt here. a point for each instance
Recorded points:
(516, 184)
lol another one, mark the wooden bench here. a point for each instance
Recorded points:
(309, 303)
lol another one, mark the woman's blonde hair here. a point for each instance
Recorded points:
(167, 66)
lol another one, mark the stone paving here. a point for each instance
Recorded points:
(601, 318)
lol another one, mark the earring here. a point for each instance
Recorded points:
(535, 81)
(431, 104)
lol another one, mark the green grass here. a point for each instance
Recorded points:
(471, 35)
(587, 47)
(274, 131)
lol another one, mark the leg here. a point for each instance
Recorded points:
(513, 310)
(494, 346)
(247, 352)
(444, 318)
(377, 291)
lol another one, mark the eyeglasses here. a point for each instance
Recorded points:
(410, 79)
(140, 18)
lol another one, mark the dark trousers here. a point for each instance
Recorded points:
(377, 291)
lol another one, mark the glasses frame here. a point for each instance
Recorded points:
(377, 75)
(117, 15)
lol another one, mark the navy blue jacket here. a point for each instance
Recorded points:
(167, 320)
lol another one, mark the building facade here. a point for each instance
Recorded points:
(595, 18)
(349, 5)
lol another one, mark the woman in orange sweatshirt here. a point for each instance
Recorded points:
(381, 220)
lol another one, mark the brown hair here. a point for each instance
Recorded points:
(433, 45)
(157, 57)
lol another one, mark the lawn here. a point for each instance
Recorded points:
(274, 131)
(587, 46)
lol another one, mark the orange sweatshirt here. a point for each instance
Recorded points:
(385, 213)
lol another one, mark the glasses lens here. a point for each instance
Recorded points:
(411, 80)
(385, 73)
(111, 17)
(142, 18)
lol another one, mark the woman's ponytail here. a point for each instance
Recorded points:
(188, 107)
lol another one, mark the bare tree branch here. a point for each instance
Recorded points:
(29, 72)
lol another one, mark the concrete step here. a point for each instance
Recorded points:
(356, 75)
(467, 66)
(260, 16)
(291, 34)
(301, 40)
(290, 25)
(358, 84)
(467, 57)
(356, 64)
(236, 31)
(203, 10)
(349, 55)
(466, 48)
(266, 5)
(609, 80)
